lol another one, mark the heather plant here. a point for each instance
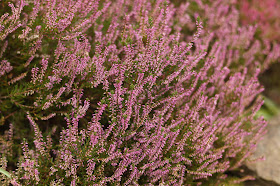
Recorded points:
(265, 14)
(112, 93)
(240, 43)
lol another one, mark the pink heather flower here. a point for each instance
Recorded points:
(39, 143)
(34, 75)
(90, 170)
(9, 23)
(5, 67)
(29, 166)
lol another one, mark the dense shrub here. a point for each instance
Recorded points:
(124, 92)
(238, 46)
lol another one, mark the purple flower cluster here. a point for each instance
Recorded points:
(170, 108)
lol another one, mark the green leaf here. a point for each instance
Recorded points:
(271, 106)
(268, 110)
(5, 173)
